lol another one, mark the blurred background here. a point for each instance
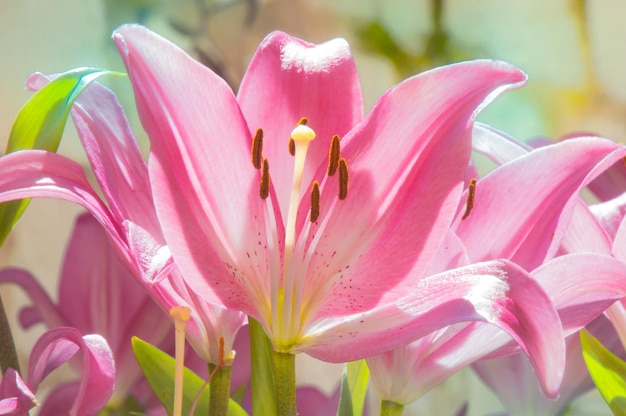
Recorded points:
(571, 50)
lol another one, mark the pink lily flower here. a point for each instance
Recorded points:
(538, 236)
(321, 269)
(130, 218)
(580, 286)
(54, 348)
(97, 294)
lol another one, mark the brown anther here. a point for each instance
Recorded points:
(343, 179)
(303, 121)
(624, 161)
(471, 195)
(264, 189)
(292, 147)
(333, 155)
(257, 149)
(315, 202)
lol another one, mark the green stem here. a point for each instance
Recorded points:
(388, 408)
(285, 379)
(262, 370)
(8, 354)
(219, 390)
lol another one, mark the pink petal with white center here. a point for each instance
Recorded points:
(205, 187)
(497, 292)
(407, 162)
(581, 286)
(288, 79)
(15, 396)
(525, 205)
(56, 347)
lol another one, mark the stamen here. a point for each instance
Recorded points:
(315, 201)
(292, 147)
(471, 194)
(264, 189)
(180, 315)
(333, 155)
(343, 179)
(303, 121)
(220, 358)
(302, 137)
(257, 149)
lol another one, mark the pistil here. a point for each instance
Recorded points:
(302, 137)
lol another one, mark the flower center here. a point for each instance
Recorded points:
(286, 299)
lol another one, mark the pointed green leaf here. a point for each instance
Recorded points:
(158, 367)
(607, 371)
(353, 388)
(262, 371)
(40, 124)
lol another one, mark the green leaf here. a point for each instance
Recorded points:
(158, 367)
(262, 371)
(40, 124)
(607, 371)
(353, 388)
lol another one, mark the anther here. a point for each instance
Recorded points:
(292, 147)
(257, 149)
(264, 189)
(471, 194)
(315, 202)
(624, 161)
(343, 179)
(303, 121)
(333, 155)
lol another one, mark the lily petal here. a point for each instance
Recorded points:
(56, 347)
(419, 129)
(581, 286)
(41, 174)
(527, 214)
(496, 292)
(205, 187)
(45, 310)
(15, 396)
(288, 79)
